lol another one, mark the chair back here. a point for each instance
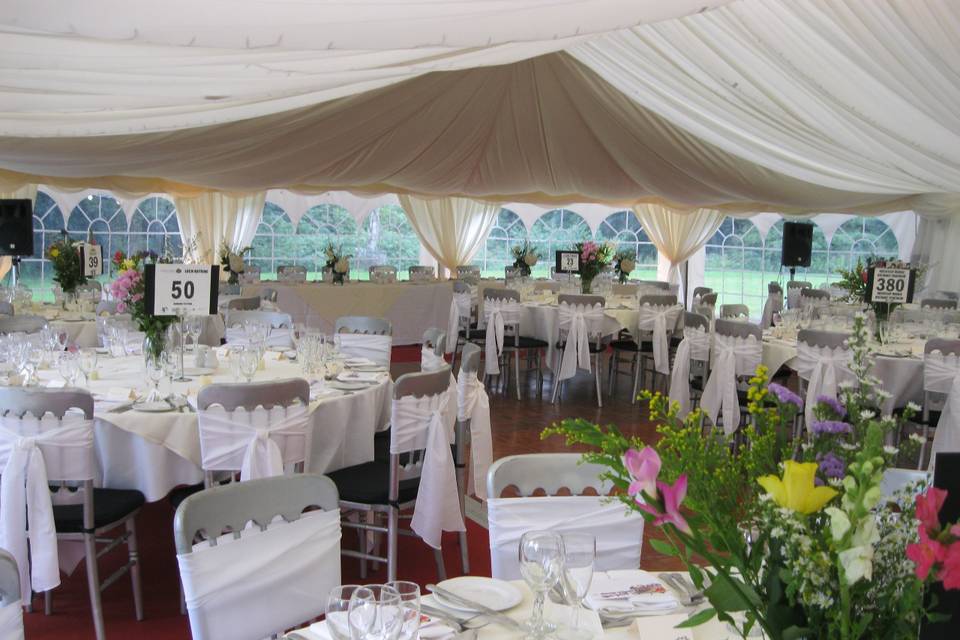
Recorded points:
(709, 299)
(798, 284)
(731, 311)
(814, 294)
(383, 273)
(269, 294)
(774, 287)
(266, 579)
(6, 308)
(941, 365)
(654, 284)
(828, 339)
(470, 359)
(22, 324)
(896, 480)
(9, 578)
(250, 274)
(501, 294)
(365, 337)
(461, 286)
(618, 530)
(108, 307)
(90, 286)
(246, 303)
(822, 363)
(625, 290)
(581, 300)
(292, 273)
(275, 319)
(511, 273)
(655, 300)
(363, 324)
(468, 272)
(699, 292)
(736, 329)
(435, 340)
(938, 303)
(420, 273)
(696, 321)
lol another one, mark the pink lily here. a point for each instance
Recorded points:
(672, 497)
(643, 467)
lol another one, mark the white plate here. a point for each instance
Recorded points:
(347, 386)
(153, 407)
(358, 362)
(498, 595)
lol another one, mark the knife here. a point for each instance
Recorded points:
(494, 616)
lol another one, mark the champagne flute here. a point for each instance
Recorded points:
(362, 613)
(67, 365)
(194, 327)
(410, 608)
(337, 611)
(88, 363)
(579, 555)
(249, 362)
(541, 561)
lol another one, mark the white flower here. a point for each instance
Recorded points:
(846, 384)
(839, 523)
(236, 263)
(867, 415)
(627, 265)
(916, 437)
(857, 561)
(342, 265)
(530, 259)
(890, 451)
(913, 406)
(884, 395)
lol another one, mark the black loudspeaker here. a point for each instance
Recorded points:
(946, 476)
(797, 244)
(16, 227)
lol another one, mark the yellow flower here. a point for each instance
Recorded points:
(796, 490)
(127, 264)
(54, 252)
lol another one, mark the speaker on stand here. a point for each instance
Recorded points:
(16, 231)
(797, 246)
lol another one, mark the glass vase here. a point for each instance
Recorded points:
(153, 344)
(586, 285)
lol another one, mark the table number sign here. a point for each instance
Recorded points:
(181, 289)
(568, 262)
(890, 284)
(91, 257)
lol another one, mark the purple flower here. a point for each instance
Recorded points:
(831, 465)
(838, 409)
(785, 396)
(820, 427)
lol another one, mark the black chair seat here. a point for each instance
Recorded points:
(109, 506)
(631, 345)
(593, 347)
(367, 483)
(527, 342)
(180, 494)
(933, 420)
(475, 335)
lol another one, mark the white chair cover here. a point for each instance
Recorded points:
(265, 582)
(793, 297)
(619, 532)
(419, 423)
(658, 320)
(11, 621)
(774, 304)
(279, 337)
(694, 346)
(28, 449)
(459, 308)
(732, 356)
(581, 323)
(257, 442)
(473, 404)
(429, 361)
(941, 374)
(497, 313)
(366, 345)
(824, 369)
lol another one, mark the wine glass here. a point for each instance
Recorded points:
(337, 611)
(154, 365)
(67, 366)
(375, 613)
(35, 357)
(194, 327)
(410, 606)
(88, 363)
(362, 613)
(541, 562)
(579, 554)
(249, 362)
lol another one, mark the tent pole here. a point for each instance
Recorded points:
(686, 284)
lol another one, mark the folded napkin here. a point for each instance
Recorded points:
(630, 590)
(359, 362)
(359, 376)
(120, 394)
(661, 627)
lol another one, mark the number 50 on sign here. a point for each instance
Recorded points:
(181, 289)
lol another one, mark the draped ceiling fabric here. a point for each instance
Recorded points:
(451, 229)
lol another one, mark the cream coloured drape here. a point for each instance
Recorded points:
(451, 229)
(214, 218)
(677, 234)
(28, 191)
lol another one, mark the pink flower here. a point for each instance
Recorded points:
(672, 498)
(925, 554)
(643, 466)
(928, 508)
(137, 297)
(121, 307)
(950, 573)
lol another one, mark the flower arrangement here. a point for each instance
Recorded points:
(594, 257)
(623, 265)
(64, 254)
(337, 263)
(128, 290)
(854, 282)
(231, 262)
(796, 536)
(525, 257)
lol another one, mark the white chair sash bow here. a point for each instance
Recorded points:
(27, 528)
(473, 404)
(941, 374)
(371, 346)
(419, 423)
(774, 304)
(731, 357)
(430, 361)
(497, 314)
(11, 621)
(694, 346)
(824, 368)
(581, 322)
(249, 440)
(656, 319)
(460, 307)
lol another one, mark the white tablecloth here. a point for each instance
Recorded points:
(541, 322)
(155, 452)
(412, 308)
(81, 329)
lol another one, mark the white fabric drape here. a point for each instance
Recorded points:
(694, 346)
(676, 234)
(619, 531)
(938, 236)
(430, 361)
(11, 621)
(257, 442)
(27, 528)
(460, 308)
(581, 323)
(473, 404)
(424, 423)
(659, 321)
(364, 345)
(941, 374)
(732, 357)
(265, 582)
(214, 218)
(450, 229)
(823, 368)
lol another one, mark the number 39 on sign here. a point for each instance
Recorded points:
(181, 289)
(91, 257)
(887, 284)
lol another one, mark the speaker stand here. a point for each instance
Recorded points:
(15, 272)
(793, 273)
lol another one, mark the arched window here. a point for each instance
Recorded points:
(861, 238)
(154, 227)
(816, 274)
(556, 229)
(275, 242)
(35, 271)
(103, 216)
(387, 238)
(735, 264)
(623, 229)
(322, 225)
(496, 253)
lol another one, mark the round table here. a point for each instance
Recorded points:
(155, 452)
